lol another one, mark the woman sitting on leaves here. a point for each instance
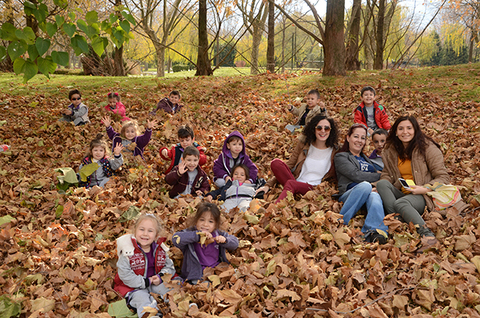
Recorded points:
(311, 162)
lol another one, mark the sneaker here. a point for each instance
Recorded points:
(377, 237)
(425, 231)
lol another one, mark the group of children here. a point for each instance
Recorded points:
(143, 256)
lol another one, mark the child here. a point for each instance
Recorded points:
(186, 138)
(77, 112)
(142, 261)
(307, 111)
(188, 177)
(96, 167)
(169, 104)
(370, 113)
(129, 137)
(235, 193)
(196, 257)
(379, 137)
(115, 106)
(233, 153)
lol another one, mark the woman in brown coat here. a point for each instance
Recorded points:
(310, 163)
(411, 155)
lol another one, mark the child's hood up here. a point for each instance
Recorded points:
(226, 151)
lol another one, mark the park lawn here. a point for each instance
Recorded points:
(295, 258)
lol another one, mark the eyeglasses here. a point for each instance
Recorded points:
(73, 99)
(320, 128)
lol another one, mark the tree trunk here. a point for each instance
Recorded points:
(119, 68)
(203, 62)
(352, 63)
(380, 44)
(256, 41)
(283, 44)
(334, 47)
(7, 64)
(271, 37)
(160, 51)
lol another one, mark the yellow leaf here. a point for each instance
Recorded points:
(43, 304)
(214, 279)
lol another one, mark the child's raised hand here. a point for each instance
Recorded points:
(220, 239)
(182, 167)
(165, 152)
(209, 198)
(151, 123)
(227, 179)
(118, 149)
(155, 280)
(199, 192)
(106, 121)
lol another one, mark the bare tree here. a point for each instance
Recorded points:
(271, 37)
(353, 30)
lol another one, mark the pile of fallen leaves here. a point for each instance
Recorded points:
(295, 259)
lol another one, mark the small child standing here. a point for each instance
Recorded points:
(96, 168)
(77, 112)
(116, 106)
(196, 257)
(233, 153)
(169, 104)
(186, 138)
(370, 113)
(379, 137)
(188, 177)
(129, 137)
(235, 193)
(142, 261)
(307, 111)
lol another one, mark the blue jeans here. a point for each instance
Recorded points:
(355, 198)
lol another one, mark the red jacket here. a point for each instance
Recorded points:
(137, 264)
(175, 154)
(380, 115)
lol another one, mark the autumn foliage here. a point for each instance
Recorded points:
(296, 259)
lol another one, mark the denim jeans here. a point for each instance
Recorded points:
(355, 198)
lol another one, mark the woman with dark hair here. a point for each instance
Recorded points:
(310, 163)
(355, 174)
(410, 155)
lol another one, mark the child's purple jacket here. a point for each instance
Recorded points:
(141, 141)
(191, 267)
(222, 167)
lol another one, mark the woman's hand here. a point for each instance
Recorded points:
(414, 189)
(264, 188)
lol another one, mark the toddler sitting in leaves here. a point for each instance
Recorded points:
(96, 168)
(116, 106)
(129, 137)
(77, 112)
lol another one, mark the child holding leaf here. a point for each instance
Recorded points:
(142, 261)
(96, 168)
(129, 136)
(203, 244)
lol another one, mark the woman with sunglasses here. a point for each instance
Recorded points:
(355, 173)
(311, 162)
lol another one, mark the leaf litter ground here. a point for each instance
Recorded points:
(296, 259)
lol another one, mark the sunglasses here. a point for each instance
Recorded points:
(326, 128)
(77, 98)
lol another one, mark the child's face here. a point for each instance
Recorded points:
(368, 98)
(379, 142)
(191, 162)
(112, 102)
(130, 133)
(175, 99)
(239, 174)
(98, 152)
(206, 223)
(312, 100)
(235, 146)
(186, 141)
(146, 233)
(76, 99)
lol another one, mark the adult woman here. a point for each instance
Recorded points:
(355, 173)
(310, 163)
(410, 155)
